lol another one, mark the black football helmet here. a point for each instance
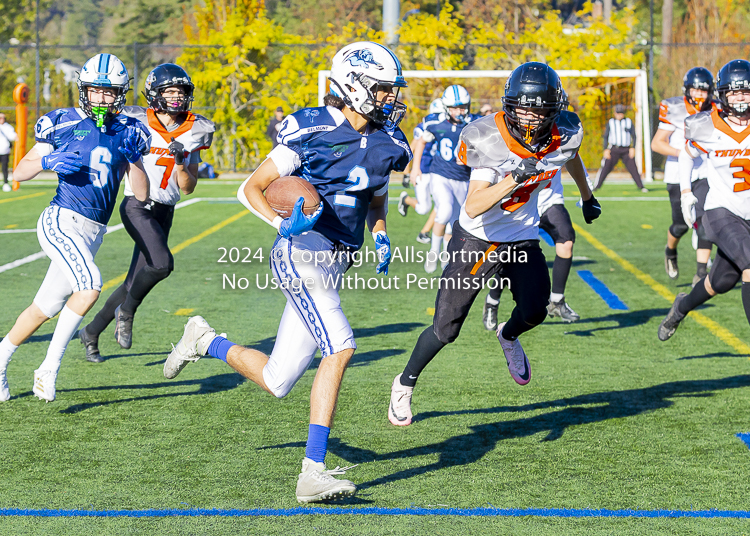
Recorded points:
(734, 75)
(164, 76)
(534, 86)
(698, 78)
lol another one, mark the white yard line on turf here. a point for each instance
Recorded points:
(110, 229)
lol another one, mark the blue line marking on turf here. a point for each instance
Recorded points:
(745, 438)
(546, 237)
(301, 511)
(609, 297)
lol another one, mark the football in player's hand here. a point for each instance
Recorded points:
(284, 192)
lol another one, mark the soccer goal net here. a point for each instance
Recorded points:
(592, 95)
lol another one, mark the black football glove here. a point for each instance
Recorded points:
(591, 209)
(178, 151)
(525, 170)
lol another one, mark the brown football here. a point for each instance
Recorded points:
(284, 192)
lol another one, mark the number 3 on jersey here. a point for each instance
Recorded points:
(744, 173)
(360, 179)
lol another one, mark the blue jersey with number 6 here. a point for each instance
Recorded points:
(91, 191)
(347, 168)
(445, 135)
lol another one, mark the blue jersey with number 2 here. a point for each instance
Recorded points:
(346, 168)
(91, 191)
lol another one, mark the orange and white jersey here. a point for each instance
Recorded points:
(728, 155)
(488, 147)
(672, 115)
(195, 133)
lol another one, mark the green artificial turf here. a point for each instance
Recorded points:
(612, 418)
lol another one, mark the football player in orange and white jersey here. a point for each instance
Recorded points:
(724, 138)
(697, 88)
(514, 155)
(178, 136)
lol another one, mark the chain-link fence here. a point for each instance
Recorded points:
(58, 64)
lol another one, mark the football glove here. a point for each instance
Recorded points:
(687, 204)
(525, 170)
(178, 151)
(133, 146)
(383, 247)
(62, 162)
(591, 209)
(298, 222)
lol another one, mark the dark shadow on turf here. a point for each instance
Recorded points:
(566, 412)
(213, 384)
(715, 354)
(360, 359)
(116, 356)
(624, 320)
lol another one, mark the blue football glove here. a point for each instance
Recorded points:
(132, 147)
(383, 247)
(298, 222)
(591, 209)
(62, 162)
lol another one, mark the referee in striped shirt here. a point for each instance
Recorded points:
(619, 143)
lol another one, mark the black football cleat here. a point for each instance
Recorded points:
(91, 345)
(123, 329)
(672, 321)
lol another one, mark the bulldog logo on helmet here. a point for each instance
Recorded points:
(362, 58)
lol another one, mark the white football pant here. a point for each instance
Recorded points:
(449, 196)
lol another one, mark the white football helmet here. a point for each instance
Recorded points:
(456, 97)
(436, 107)
(106, 71)
(356, 72)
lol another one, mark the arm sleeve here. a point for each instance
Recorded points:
(243, 199)
(685, 168)
(43, 148)
(484, 175)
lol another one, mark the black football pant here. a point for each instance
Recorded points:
(4, 162)
(464, 278)
(617, 154)
(148, 224)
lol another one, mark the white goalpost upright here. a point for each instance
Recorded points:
(642, 112)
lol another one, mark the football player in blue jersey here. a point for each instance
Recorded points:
(449, 179)
(346, 150)
(422, 202)
(90, 148)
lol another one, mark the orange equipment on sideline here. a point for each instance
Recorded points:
(20, 97)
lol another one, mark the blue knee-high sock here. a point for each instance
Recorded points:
(219, 348)
(317, 442)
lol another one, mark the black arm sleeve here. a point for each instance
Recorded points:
(606, 136)
(631, 129)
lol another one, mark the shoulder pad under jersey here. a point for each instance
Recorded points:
(699, 127)
(570, 130)
(203, 130)
(673, 111)
(136, 112)
(484, 145)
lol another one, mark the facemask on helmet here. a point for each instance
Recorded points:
(734, 76)
(457, 98)
(359, 71)
(104, 72)
(533, 100)
(162, 82)
(698, 78)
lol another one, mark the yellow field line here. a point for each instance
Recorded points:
(714, 327)
(29, 196)
(179, 247)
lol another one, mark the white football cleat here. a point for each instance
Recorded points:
(316, 483)
(7, 187)
(44, 384)
(192, 346)
(430, 263)
(399, 410)
(4, 388)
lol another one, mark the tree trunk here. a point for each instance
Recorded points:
(666, 27)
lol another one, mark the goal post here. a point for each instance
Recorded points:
(638, 97)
